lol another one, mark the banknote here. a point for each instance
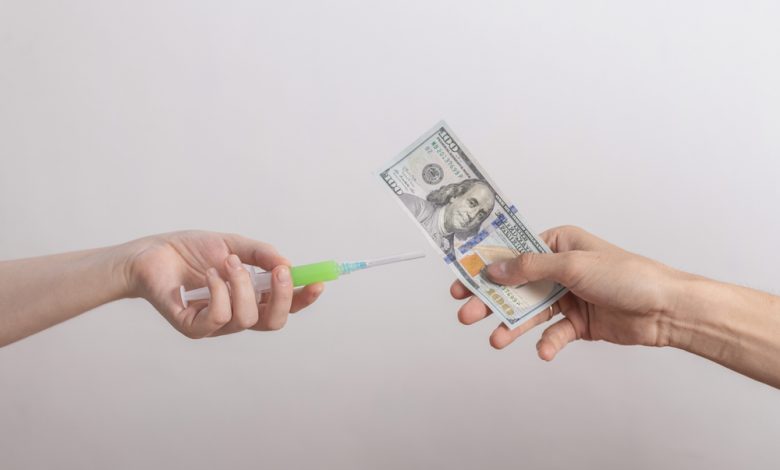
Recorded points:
(468, 220)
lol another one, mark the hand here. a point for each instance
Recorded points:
(156, 266)
(614, 296)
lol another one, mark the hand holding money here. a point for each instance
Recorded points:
(615, 296)
(469, 221)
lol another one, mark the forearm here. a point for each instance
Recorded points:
(734, 326)
(37, 293)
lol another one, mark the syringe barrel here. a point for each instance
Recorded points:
(301, 275)
(261, 280)
(316, 272)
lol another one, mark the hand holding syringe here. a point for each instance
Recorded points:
(301, 275)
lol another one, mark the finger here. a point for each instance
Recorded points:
(275, 313)
(306, 296)
(459, 291)
(182, 318)
(555, 338)
(569, 237)
(264, 298)
(243, 301)
(255, 252)
(564, 268)
(572, 307)
(302, 298)
(473, 311)
(502, 336)
(217, 313)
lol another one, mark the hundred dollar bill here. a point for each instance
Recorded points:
(469, 221)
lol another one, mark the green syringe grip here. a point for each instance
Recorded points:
(316, 272)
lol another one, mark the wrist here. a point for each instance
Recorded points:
(137, 264)
(734, 326)
(678, 316)
(119, 260)
(696, 322)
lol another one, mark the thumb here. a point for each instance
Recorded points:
(530, 267)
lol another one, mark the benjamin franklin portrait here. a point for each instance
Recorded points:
(454, 210)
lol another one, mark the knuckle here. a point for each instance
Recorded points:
(574, 264)
(239, 276)
(191, 334)
(523, 262)
(283, 296)
(276, 324)
(569, 234)
(247, 321)
(221, 316)
(264, 247)
(560, 231)
(262, 250)
(558, 337)
(570, 229)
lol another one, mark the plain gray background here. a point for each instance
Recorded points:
(653, 124)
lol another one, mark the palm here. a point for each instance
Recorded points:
(602, 322)
(611, 300)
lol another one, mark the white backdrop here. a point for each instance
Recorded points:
(653, 124)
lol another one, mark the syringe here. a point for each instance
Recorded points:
(301, 275)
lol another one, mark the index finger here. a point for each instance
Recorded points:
(570, 237)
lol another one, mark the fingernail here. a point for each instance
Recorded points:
(211, 272)
(234, 262)
(497, 269)
(318, 290)
(283, 275)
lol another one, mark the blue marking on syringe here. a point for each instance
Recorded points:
(347, 268)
